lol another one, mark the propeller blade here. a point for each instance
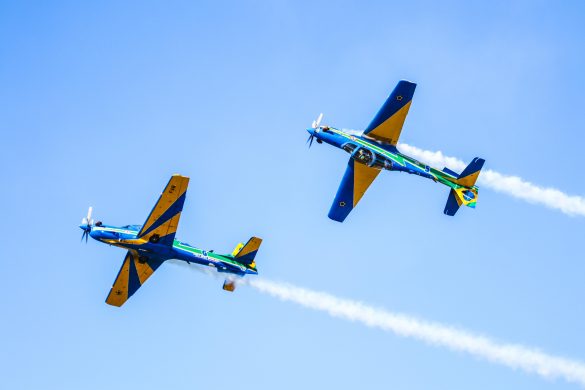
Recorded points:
(87, 222)
(311, 143)
(319, 119)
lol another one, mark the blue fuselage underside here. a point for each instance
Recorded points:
(179, 250)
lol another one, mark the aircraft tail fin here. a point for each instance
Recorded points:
(458, 197)
(245, 254)
(467, 193)
(469, 176)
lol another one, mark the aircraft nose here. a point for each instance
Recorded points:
(311, 131)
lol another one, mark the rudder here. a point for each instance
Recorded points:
(245, 254)
(470, 174)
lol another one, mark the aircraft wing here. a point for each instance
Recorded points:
(387, 124)
(354, 184)
(132, 275)
(161, 225)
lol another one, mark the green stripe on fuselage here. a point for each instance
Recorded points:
(401, 159)
(187, 248)
(182, 246)
(397, 158)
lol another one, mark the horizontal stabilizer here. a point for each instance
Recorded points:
(450, 172)
(452, 205)
(237, 249)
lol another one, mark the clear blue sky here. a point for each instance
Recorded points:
(101, 103)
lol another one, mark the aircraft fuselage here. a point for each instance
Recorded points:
(380, 156)
(124, 237)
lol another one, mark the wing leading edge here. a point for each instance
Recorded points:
(355, 182)
(387, 124)
(161, 225)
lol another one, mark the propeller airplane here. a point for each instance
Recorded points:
(374, 150)
(153, 243)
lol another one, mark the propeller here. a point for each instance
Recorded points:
(310, 140)
(317, 123)
(86, 224)
(315, 126)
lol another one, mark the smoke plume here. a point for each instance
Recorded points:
(510, 185)
(511, 355)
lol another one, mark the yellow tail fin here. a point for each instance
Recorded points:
(470, 174)
(247, 253)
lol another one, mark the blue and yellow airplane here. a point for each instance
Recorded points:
(374, 150)
(149, 245)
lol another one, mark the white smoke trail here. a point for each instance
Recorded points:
(511, 185)
(511, 355)
(514, 356)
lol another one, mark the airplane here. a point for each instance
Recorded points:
(374, 150)
(153, 243)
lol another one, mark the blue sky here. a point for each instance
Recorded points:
(101, 103)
